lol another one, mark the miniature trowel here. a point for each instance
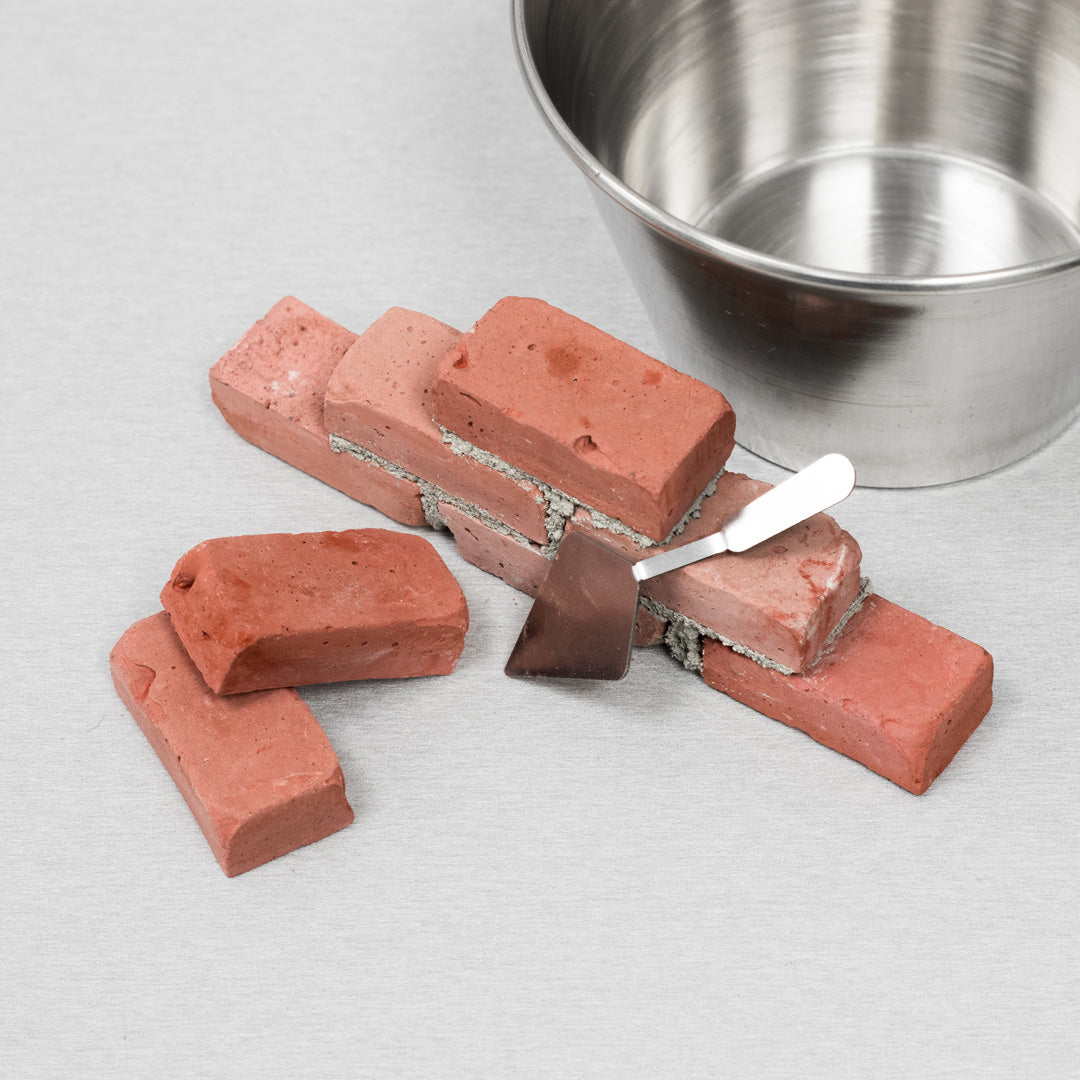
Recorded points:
(581, 625)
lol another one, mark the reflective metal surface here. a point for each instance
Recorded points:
(860, 219)
(581, 624)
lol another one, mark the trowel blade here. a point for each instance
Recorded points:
(581, 625)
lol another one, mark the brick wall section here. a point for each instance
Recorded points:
(270, 387)
(585, 413)
(897, 693)
(782, 600)
(284, 609)
(256, 769)
(380, 398)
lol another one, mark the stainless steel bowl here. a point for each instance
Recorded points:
(860, 219)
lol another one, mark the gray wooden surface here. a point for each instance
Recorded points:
(640, 879)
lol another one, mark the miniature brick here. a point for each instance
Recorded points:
(293, 609)
(896, 693)
(520, 565)
(649, 629)
(270, 387)
(585, 413)
(380, 398)
(256, 770)
(782, 598)
(523, 566)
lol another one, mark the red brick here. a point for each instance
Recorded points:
(649, 629)
(380, 397)
(519, 565)
(897, 693)
(585, 413)
(256, 769)
(270, 387)
(782, 598)
(293, 609)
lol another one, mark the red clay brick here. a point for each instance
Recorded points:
(496, 552)
(649, 629)
(585, 413)
(270, 387)
(380, 396)
(256, 769)
(897, 693)
(293, 609)
(783, 598)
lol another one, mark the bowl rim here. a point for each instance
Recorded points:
(717, 248)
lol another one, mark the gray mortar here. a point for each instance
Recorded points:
(683, 635)
(683, 640)
(430, 494)
(561, 506)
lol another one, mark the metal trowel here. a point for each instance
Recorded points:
(581, 625)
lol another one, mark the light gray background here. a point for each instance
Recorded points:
(641, 879)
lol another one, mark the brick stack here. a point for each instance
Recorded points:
(533, 423)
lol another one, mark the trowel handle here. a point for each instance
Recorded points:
(820, 485)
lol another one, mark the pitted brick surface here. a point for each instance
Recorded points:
(287, 609)
(270, 387)
(586, 413)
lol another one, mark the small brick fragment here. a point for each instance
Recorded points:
(897, 693)
(287, 609)
(380, 398)
(270, 387)
(649, 629)
(521, 565)
(256, 770)
(586, 413)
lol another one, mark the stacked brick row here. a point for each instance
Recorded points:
(533, 423)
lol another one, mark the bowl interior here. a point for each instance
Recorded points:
(909, 138)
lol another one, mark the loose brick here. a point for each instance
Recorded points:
(380, 398)
(287, 609)
(270, 387)
(256, 769)
(897, 693)
(585, 413)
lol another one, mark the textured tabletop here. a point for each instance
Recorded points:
(635, 879)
